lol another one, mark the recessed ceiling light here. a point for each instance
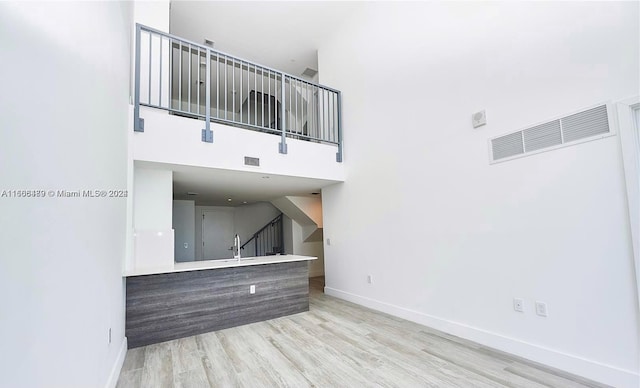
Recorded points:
(244, 201)
(228, 199)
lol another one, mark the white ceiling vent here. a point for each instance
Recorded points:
(309, 72)
(249, 161)
(579, 127)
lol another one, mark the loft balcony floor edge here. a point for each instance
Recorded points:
(176, 140)
(236, 92)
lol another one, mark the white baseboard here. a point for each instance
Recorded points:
(590, 369)
(117, 366)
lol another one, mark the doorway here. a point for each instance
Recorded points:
(217, 234)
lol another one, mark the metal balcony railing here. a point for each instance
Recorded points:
(197, 81)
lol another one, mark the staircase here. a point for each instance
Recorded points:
(267, 241)
(304, 217)
(306, 211)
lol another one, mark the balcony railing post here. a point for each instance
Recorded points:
(283, 143)
(138, 123)
(339, 153)
(207, 134)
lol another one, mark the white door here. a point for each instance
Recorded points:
(217, 234)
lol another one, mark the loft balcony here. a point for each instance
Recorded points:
(189, 95)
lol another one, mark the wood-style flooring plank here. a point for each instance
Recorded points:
(334, 344)
(130, 379)
(158, 367)
(134, 359)
(217, 365)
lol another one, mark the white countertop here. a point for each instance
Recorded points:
(216, 264)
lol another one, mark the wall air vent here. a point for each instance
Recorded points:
(508, 145)
(309, 72)
(579, 127)
(249, 161)
(585, 124)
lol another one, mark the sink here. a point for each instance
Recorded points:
(236, 260)
(226, 260)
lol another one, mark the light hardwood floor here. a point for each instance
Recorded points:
(335, 344)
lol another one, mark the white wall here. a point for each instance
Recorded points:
(177, 140)
(287, 233)
(315, 249)
(152, 218)
(551, 227)
(184, 226)
(153, 198)
(154, 14)
(295, 245)
(288, 206)
(61, 258)
(311, 206)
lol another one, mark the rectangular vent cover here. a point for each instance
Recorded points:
(569, 129)
(249, 161)
(508, 145)
(309, 72)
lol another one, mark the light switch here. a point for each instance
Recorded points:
(541, 309)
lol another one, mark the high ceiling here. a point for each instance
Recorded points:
(215, 186)
(281, 35)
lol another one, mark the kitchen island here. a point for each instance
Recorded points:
(185, 299)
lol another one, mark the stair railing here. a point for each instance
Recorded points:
(269, 240)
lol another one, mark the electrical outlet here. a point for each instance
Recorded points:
(186, 245)
(541, 309)
(369, 279)
(518, 305)
(252, 289)
(328, 241)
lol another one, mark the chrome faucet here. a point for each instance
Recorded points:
(236, 247)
